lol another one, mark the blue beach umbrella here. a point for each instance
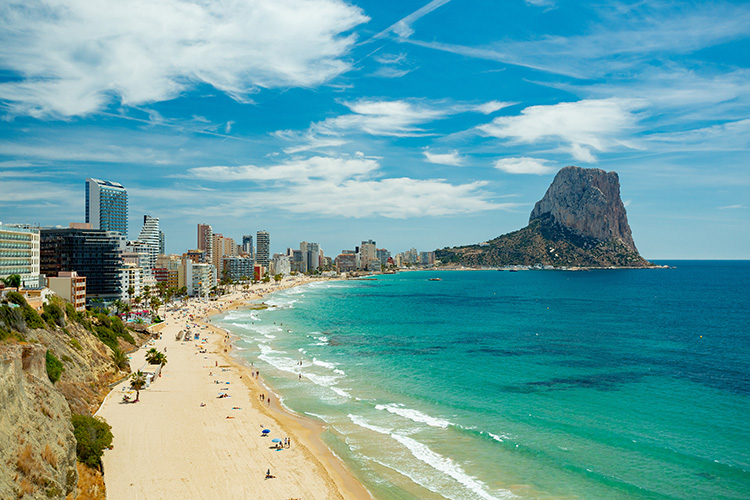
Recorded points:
(265, 431)
(276, 440)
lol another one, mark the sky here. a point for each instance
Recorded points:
(419, 124)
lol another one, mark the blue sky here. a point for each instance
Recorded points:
(413, 123)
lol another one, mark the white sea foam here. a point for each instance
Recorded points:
(438, 462)
(448, 467)
(322, 380)
(414, 415)
(340, 372)
(341, 392)
(324, 364)
(358, 420)
(279, 362)
(500, 438)
(324, 418)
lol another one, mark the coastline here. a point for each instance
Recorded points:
(168, 445)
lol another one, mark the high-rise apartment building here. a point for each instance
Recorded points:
(262, 254)
(206, 242)
(151, 237)
(19, 253)
(107, 206)
(247, 245)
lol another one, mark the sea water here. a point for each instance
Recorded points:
(608, 384)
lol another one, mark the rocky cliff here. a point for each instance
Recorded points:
(580, 222)
(37, 446)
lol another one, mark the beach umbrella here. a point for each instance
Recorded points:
(276, 440)
(265, 431)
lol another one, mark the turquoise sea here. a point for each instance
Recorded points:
(535, 384)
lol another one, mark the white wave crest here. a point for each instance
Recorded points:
(414, 415)
(341, 392)
(448, 467)
(358, 420)
(324, 364)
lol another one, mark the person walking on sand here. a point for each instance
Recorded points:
(269, 401)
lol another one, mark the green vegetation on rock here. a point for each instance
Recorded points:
(54, 367)
(93, 435)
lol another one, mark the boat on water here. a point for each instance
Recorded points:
(435, 279)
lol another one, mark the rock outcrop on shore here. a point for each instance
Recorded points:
(580, 222)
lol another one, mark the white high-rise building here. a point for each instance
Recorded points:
(262, 254)
(107, 206)
(151, 237)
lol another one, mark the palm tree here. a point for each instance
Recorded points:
(137, 382)
(131, 291)
(155, 357)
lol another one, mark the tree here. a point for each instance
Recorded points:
(131, 291)
(54, 367)
(278, 277)
(120, 359)
(14, 280)
(137, 382)
(92, 435)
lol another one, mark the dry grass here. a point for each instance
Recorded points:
(27, 488)
(26, 462)
(49, 456)
(90, 484)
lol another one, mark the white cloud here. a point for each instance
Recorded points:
(76, 58)
(492, 106)
(733, 207)
(451, 158)
(524, 165)
(297, 171)
(618, 42)
(590, 124)
(730, 136)
(388, 118)
(341, 187)
(403, 27)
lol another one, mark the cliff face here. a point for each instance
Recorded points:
(580, 222)
(587, 202)
(37, 447)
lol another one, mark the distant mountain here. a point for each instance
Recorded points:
(580, 222)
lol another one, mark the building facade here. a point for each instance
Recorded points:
(92, 253)
(71, 287)
(150, 236)
(206, 241)
(107, 206)
(237, 268)
(263, 243)
(247, 245)
(19, 254)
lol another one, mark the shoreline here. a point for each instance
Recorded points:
(181, 440)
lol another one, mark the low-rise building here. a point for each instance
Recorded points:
(71, 287)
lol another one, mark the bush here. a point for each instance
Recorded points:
(30, 316)
(121, 360)
(11, 318)
(53, 315)
(54, 367)
(92, 435)
(76, 344)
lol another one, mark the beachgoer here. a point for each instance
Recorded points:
(269, 401)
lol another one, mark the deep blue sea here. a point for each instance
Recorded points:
(612, 384)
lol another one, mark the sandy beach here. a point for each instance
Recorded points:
(181, 440)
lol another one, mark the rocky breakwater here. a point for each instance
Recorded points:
(37, 446)
(580, 222)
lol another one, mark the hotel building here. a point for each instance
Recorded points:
(19, 254)
(107, 206)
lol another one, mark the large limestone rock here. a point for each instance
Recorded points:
(587, 202)
(580, 222)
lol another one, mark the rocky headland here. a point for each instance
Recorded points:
(580, 222)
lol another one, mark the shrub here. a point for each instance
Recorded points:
(30, 316)
(92, 435)
(54, 367)
(107, 336)
(11, 318)
(121, 360)
(53, 315)
(76, 344)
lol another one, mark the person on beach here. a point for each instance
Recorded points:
(269, 401)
